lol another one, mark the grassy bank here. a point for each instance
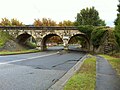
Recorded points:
(4, 37)
(85, 78)
(115, 62)
(18, 52)
(117, 55)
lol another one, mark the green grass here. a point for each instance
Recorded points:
(4, 37)
(117, 55)
(19, 52)
(115, 62)
(85, 78)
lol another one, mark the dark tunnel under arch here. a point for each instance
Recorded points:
(45, 38)
(22, 38)
(84, 37)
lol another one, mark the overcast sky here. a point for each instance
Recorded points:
(28, 10)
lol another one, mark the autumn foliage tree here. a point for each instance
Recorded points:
(15, 22)
(44, 22)
(66, 23)
(12, 22)
(5, 22)
(55, 39)
(49, 22)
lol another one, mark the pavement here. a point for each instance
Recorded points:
(35, 71)
(107, 78)
(14, 77)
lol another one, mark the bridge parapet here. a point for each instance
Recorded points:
(38, 28)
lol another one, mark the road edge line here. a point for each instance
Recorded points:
(59, 85)
(25, 59)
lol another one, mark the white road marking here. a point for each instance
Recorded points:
(28, 58)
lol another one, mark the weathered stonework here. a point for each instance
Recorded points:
(41, 34)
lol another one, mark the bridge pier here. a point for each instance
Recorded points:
(39, 45)
(65, 46)
(65, 42)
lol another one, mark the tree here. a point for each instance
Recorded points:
(15, 22)
(117, 25)
(117, 21)
(12, 22)
(55, 39)
(66, 23)
(89, 16)
(44, 22)
(37, 22)
(5, 22)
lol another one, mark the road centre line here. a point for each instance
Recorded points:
(28, 58)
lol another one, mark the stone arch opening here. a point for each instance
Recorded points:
(51, 40)
(26, 40)
(81, 41)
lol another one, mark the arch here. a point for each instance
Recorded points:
(84, 37)
(23, 38)
(45, 38)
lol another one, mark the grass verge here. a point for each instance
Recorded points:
(85, 78)
(115, 62)
(19, 52)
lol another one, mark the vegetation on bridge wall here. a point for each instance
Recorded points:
(117, 35)
(4, 37)
(97, 36)
(102, 38)
(87, 29)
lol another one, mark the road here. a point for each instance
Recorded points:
(35, 71)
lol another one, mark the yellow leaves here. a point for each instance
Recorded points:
(49, 22)
(5, 22)
(44, 22)
(15, 22)
(66, 23)
(12, 22)
(37, 22)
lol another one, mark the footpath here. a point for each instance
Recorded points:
(107, 78)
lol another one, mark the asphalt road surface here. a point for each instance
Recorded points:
(35, 71)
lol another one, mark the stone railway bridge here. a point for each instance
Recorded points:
(43, 33)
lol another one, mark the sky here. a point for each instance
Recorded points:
(28, 10)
